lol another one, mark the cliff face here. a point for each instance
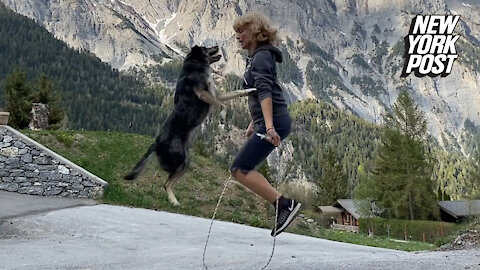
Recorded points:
(357, 46)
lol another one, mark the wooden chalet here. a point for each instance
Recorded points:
(456, 211)
(345, 214)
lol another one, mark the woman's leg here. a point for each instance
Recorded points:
(252, 153)
(257, 183)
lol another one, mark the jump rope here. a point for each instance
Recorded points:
(262, 136)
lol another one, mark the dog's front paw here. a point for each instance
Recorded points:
(249, 90)
(223, 105)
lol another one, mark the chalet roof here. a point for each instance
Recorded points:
(330, 209)
(459, 209)
(349, 206)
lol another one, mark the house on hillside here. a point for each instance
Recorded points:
(345, 214)
(456, 211)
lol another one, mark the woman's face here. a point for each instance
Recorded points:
(245, 37)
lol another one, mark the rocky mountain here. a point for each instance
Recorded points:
(346, 52)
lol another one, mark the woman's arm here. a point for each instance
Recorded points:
(267, 110)
(250, 129)
(263, 69)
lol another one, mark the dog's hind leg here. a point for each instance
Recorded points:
(172, 179)
(234, 94)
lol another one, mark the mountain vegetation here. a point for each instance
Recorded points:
(20, 95)
(94, 96)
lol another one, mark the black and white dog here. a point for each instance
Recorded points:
(194, 96)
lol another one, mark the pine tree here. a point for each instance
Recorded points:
(45, 94)
(475, 175)
(401, 182)
(17, 96)
(333, 182)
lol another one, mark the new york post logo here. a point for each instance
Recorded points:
(430, 46)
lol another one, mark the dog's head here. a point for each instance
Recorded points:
(204, 54)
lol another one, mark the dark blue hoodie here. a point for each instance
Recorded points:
(261, 73)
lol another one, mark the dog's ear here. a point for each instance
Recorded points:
(196, 48)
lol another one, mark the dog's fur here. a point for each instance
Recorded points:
(194, 96)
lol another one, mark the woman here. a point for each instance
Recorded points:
(268, 110)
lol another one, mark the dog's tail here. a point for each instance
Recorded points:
(141, 164)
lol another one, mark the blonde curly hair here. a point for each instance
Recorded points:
(259, 25)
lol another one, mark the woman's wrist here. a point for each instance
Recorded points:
(270, 128)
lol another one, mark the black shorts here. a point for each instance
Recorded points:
(256, 149)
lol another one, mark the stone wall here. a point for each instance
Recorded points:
(30, 168)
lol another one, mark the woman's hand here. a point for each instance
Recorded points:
(273, 137)
(250, 129)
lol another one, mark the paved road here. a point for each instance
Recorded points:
(114, 237)
(14, 204)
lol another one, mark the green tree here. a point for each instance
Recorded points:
(333, 182)
(45, 94)
(475, 175)
(17, 95)
(401, 181)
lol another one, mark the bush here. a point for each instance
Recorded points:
(417, 230)
(65, 137)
